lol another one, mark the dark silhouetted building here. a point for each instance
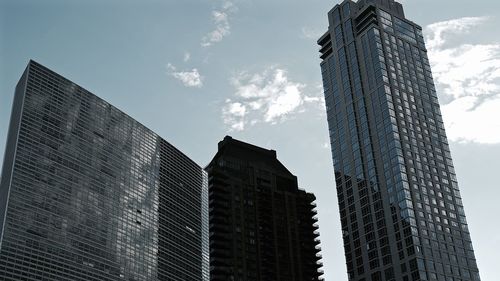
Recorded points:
(88, 193)
(400, 207)
(262, 227)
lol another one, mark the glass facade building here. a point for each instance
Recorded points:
(400, 206)
(262, 226)
(88, 193)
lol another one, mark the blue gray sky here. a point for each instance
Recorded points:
(196, 70)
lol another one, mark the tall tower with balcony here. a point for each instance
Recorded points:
(400, 206)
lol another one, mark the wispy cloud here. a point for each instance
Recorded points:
(310, 33)
(222, 27)
(191, 78)
(220, 17)
(267, 97)
(437, 31)
(234, 115)
(467, 77)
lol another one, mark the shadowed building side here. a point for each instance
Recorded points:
(262, 227)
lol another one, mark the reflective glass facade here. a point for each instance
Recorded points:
(88, 193)
(400, 206)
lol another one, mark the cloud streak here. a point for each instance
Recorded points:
(191, 78)
(234, 115)
(267, 97)
(222, 26)
(311, 33)
(467, 77)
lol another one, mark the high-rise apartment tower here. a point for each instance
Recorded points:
(90, 194)
(400, 207)
(262, 227)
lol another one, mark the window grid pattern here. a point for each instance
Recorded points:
(95, 195)
(262, 226)
(388, 140)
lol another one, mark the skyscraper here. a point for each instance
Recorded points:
(262, 227)
(88, 193)
(400, 207)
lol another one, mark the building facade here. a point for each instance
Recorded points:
(262, 227)
(88, 193)
(400, 206)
